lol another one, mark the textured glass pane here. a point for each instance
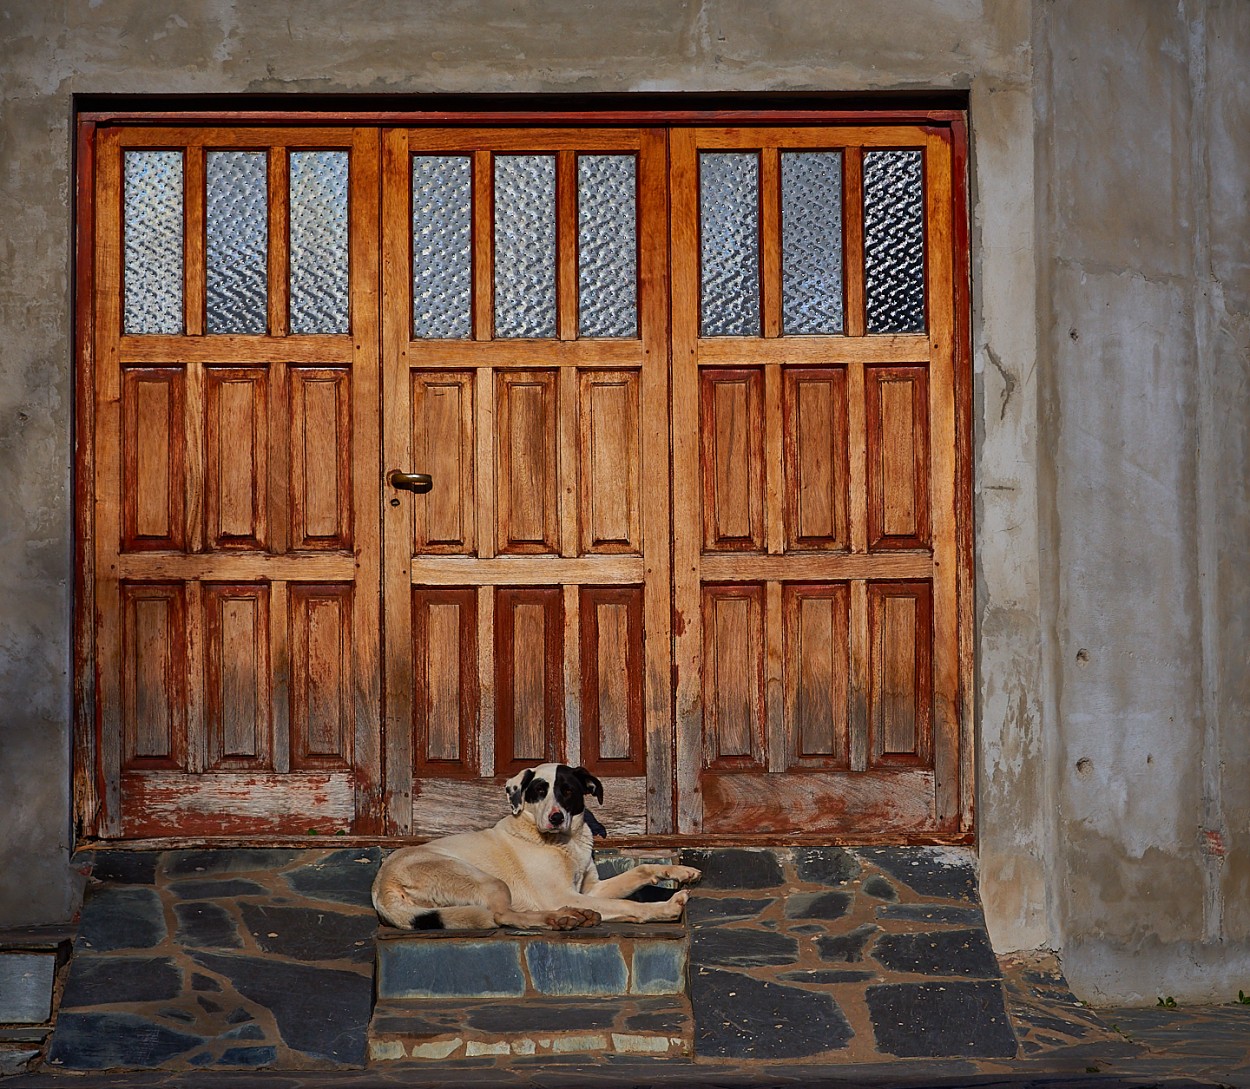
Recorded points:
(894, 241)
(152, 229)
(729, 237)
(442, 255)
(525, 246)
(607, 246)
(318, 210)
(238, 241)
(811, 241)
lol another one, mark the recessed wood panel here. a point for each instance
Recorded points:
(901, 673)
(733, 676)
(442, 445)
(446, 704)
(321, 506)
(817, 458)
(610, 464)
(237, 697)
(528, 479)
(529, 677)
(153, 459)
(897, 411)
(321, 674)
(817, 674)
(612, 676)
(154, 675)
(732, 448)
(236, 435)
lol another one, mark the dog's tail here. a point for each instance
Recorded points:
(396, 909)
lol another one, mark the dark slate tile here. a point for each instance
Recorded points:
(526, 1017)
(659, 1015)
(822, 976)
(658, 968)
(847, 947)
(714, 910)
(926, 871)
(878, 887)
(238, 1016)
(108, 1041)
(311, 934)
(736, 1017)
(826, 865)
(201, 982)
(206, 926)
(26, 982)
(568, 968)
(939, 953)
(341, 877)
(122, 867)
(450, 969)
(742, 948)
(321, 1012)
(913, 1020)
(818, 905)
(933, 913)
(241, 860)
(244, 1032)
(248, 1056)
(122, 917)
(735, 868)
(208, 1005)
(98, 981)
(215, 890)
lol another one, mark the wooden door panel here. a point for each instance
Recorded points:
(235, 489)
(532, 581)
(816, 553)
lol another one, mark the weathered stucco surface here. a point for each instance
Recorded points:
(1111, 333)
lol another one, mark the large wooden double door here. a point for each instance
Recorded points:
(687, 400)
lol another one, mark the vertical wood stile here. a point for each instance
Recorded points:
(687, 481)
(573, 637)
(487, 463)
(946, 724)
(280, 664)
(194, 264)
(857, 431)
(279, 243)
(397, 434)
(566, 245)
(280, 438)
(365, 288)
(567, 461)
(196, 742)
(774, 677)
(861, 680)
(774, 463)
(483, 250)
(108, 498)
(486, 676)
(193, 465)
(853, 234)
(770, 242)
(653, 296)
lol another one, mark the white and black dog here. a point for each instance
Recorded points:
(534, 869)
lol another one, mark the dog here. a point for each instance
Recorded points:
(532, 870)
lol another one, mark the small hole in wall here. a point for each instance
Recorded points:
(1082, 656)
(1085, 767)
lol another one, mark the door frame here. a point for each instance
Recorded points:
(947, 111)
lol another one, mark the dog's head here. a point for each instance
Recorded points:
(553, 796)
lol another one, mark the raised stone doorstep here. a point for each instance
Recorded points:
(452, 994)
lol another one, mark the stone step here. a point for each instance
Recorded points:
(405, 1030)
(29, 962)
(604, 961)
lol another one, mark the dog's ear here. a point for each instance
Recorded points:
(590, 784)
(515, 789)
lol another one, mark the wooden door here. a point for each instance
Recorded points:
(236, 550)
(526, 596)
(816, 609)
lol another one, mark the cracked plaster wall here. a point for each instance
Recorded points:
(1089, 452)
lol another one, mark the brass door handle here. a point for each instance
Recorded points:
(410, 482)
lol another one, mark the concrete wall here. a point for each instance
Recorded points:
(1110, 331)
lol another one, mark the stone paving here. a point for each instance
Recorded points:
(805, 966)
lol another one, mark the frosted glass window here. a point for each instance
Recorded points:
(811, 242)
(607, 246)
(152, 219)
(319, 266)
(729, 243)
(525, 245)
(442, 239)
(237, 220)
(894, 241)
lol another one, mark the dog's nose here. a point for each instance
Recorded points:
(556, 817)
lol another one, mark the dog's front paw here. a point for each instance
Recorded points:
(684, 875)
(570, 918)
